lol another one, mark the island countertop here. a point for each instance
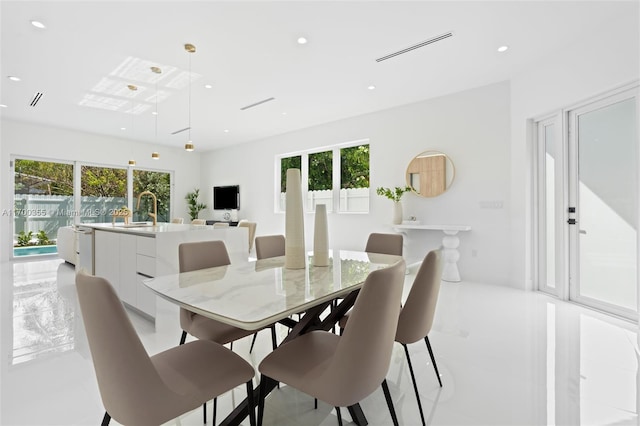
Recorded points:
(145, 228)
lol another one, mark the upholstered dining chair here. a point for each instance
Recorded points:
(251, 228)
(198, 222)
(200, 255)
(269, 246)
(221, 225)
(384, 244)
(137, 389)
(416, 316)
(177, 220)
(343, 370)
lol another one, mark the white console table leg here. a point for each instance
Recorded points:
(451, 255)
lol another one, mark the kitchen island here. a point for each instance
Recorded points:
(127, 254)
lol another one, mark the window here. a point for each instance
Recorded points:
(160, 184)
(337, 177)
(43, 202)
(103, 190)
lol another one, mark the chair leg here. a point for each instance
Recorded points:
(215, 410)
(274, 340)
(339, 416)
(387, 396)
(106, 419)
(183, 338)
(231, 346)
(415, 385)
(204, 414)
(315, 403)
(251, 406)
(261, 395)
(433, 359)
(255, 335)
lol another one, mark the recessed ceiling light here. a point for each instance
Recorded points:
(284, 113)
(14, 78)
(503, 49)
(302, 40)
(154, 112)
(38, 24)
(226, 130)
(371, 87)
(3, 106)
(123, 128)
(208, 86)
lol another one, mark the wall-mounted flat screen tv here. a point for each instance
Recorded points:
(226, 197)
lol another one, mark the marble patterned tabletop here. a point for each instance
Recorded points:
(254, 294)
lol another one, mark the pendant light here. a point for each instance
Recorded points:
(156, 70)
(190, 48)
(132, 88)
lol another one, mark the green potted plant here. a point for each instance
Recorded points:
(194, 206)
(395, 195)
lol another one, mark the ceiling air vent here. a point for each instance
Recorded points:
(36, 98)
(416, 46)
(180, 131)
(256, 104)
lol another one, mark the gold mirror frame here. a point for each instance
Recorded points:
(430, 174)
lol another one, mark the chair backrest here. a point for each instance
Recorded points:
(251, 228)
(200, 255)
(177, 220)
(361, 360)
(384, 243)
(126, 376)
(269, 246)
(416, 316)
(198, 222)
(221, 225)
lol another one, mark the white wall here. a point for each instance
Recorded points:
(594, 65)
(21, 139)
(471, 127)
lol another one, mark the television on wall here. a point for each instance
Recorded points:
(226, 197)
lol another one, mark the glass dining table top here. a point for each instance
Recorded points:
(254, 294)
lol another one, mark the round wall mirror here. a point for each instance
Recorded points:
(430, 173)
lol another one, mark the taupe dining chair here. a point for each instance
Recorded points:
(177, 220)
(200, 255)
(220, 225)
(343, 370)
(251, 228)
(416, 316)
(137, 389)
(269, 246)
(384, 244)
(198, 222)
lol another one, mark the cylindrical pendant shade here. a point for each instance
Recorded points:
(294, 250)
(321, 237)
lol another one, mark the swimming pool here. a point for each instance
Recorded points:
(34, 250)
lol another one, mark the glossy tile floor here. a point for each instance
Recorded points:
(507, 357)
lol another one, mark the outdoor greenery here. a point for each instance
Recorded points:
(41, 177)
(354, 169)
(394, 194)
(160, 184)
(43, 238)
(194, 206)
(24, 238)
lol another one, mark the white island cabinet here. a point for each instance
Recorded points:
(127, 255)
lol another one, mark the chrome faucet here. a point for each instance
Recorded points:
(153, 215)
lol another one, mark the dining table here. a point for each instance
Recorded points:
(254, 294)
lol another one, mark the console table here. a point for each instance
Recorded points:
(450, 242)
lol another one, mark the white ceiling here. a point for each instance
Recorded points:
(91, 50)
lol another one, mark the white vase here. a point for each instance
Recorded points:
(397, 212)
(321, 237)
(294, 250)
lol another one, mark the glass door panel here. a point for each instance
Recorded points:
(604, 239)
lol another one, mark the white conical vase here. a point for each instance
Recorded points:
(294, 250)
(397, 212)
(321, 237)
